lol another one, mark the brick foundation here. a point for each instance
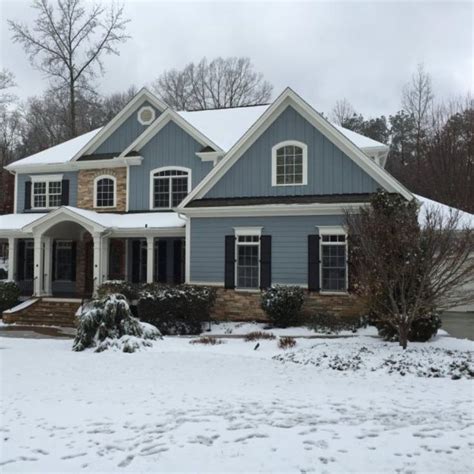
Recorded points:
(234, 305)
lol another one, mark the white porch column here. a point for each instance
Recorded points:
(48, 265)
(150, 252)
(105, 258)
(97, 275)
(38, 265)
(11, 258)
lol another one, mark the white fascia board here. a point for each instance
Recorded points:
(80, 165)
(331, 230)
(159, 123)
(289, 97)
(142, 96)
(46, 177)
(273, 210)
(148, 231)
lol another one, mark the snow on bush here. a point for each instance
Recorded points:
(283, 304)
(108, 324)
(420, 361)
(9, 294)
(125, 288)
(326, 323)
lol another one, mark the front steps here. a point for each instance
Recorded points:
(44, 312)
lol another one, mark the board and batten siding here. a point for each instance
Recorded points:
(289, 245)
(330, 171)
(23, 178)
(126, 133)
(171, 146)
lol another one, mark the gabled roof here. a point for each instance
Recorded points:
(290, 98)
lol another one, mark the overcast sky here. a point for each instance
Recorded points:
(364, 51)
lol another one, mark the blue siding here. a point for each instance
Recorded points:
(171, 146)
(330, 171)
(126, 133)
(22, 178)
(289, 245)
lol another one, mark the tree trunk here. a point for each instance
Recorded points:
(72, 108)
(403, 335)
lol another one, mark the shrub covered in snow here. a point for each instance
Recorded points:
(283, 304)
(422, 329)
(257, 335)
(108, 324)
(286, 342)
(176, 310)
(111, 287)
(9, 294)
(327, 323)
(207, 340)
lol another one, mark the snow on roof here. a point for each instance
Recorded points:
(12, 222)
(226, 126)
(465, 218)
(139, 220)
(59, 153)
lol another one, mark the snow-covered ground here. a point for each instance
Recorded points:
(228, 407)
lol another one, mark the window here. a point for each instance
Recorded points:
(289, 164)
(169, 186)
(146, 115)
(333, 262)
(46, 194)
(63, 261)
(248, 261)
(28, 260)
(104, 191)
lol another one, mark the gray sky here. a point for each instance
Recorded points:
(364, 51)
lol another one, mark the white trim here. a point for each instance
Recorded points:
(210, 156)
(167, 116)
(187, 251)
(152, 178)
(15, 195)
(272, 210)
(127, 191)
(304, 148)
(144, 109)
(46, 178)
(252, 231)
(144, 95)
(49, 179)
(148, 231)
(289, 97)
(96, 180)
(331, 230)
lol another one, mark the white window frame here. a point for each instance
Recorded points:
(46, 179)
(96, 182)
(153, 115)
(152, 184)
(247, 232)
(332, 230)
(304, 148)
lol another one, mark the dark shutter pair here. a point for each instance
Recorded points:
(265, 261)
(64, 194)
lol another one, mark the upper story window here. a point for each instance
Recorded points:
(169, 186)
(289, 164)
(105, 191)
(46, 192)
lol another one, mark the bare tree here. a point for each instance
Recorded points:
(6, 81)
(342, 112)
(221, 83)
(417, 100)
(406, 270)
(68, 42)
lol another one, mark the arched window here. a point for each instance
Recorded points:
(169, 186)
(105, 191)
(289, 164)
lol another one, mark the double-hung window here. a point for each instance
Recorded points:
(247, 261)
(46, 194)
(105, 191)
(169, 187)
(333, 262)
(289, 164)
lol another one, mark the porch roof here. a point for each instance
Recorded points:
(15, 222)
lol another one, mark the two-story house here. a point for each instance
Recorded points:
(238, 198)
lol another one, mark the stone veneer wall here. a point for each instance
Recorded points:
(234, 305)
(85, 190)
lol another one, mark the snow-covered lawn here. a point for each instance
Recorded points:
(228, 407)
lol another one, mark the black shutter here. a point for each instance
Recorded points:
(27, 195)
(54, 276)
(265, 261)
(135, 261)
(229, 271)
(313, 263)
(177, 266)
(20, 260)
(73, 260)
(65, 192)
(162, 261)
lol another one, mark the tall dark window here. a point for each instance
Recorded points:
(170, 187)
(105, 192)
(29, 259)
(64, 261)
(247, 261)
(334, 263)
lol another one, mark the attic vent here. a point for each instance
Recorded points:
(146, 115)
